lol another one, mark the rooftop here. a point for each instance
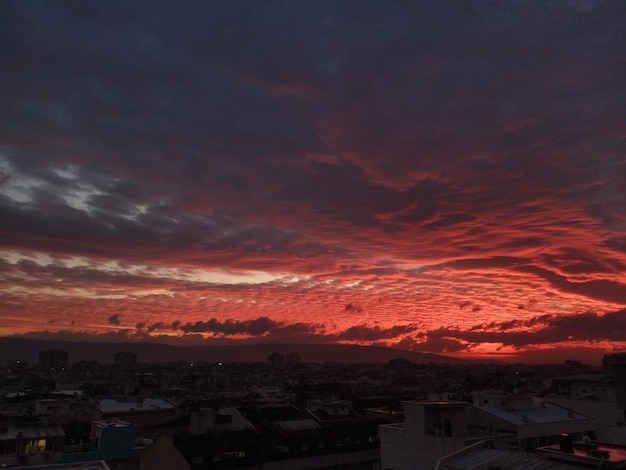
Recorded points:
(437, 403)
(298, 426)
(609, 456)
(95, 465)
(541, 412)
(110, 406)
(481, 456)
(13, 432)
(111, 423)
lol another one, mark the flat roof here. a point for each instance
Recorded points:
(68, 393)
(384, 410)
(546, 412)
(30, 432)
(437, 403)
(95, 465)
(595, 453)
(298, 425)
(481, 457)
(111, 423)
(110, 406)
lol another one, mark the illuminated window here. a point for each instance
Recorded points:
(34, 445)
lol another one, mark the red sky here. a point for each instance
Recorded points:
(435, 176)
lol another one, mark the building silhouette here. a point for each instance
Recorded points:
(126, 361)
(53, 359)
(276, 360)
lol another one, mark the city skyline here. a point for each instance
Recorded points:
(444, 177)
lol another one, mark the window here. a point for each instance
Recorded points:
(11, 447)
(32, 446)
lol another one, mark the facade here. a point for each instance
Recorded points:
(268, 437)
(535, 422)
(582, 387)
(330, 409)
(30, 445)
(383, 415)
(291, 446)
(594, 396)
(494, 432)
(111, 440)
(61, 410)
(203, 420)
(431, 430)
(615, 364)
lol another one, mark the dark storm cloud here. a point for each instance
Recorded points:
(449, 219)
(435, 345)
(215, 78)
(376, 333)
(158, 326)
(162, 95)
(164, 227)
(154, 87)
(115, 336)
(28, 273)
(228, 327)
(262, 328)
(547, 329)
(571, 261)
(299, 331)
(617, 243)
(352, 308)
(580, 261)
(602, 289)
(515, 323)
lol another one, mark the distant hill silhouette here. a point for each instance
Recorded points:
(27, 349)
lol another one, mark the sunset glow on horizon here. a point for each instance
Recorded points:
(445, 177)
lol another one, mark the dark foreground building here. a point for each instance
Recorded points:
(300, 444)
